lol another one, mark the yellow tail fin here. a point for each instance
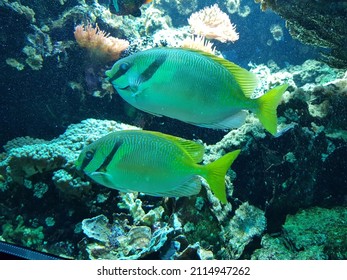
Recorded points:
(215, 174)
(267, 108)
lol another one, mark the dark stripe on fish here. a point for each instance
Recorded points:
(87, 159)
(152, 68)
(110, 156)
(123, 68)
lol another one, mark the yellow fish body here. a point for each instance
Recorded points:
(153, 163)
(194, 87)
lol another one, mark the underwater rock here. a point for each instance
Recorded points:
(334, 175)
(156, 20)
(319, 227)
(314, 233)
(247, 223)
(97, 228)
(22, 141)
(139, 237)
(136, 243)
(308, 75)
(18, 8)
(273, 249)
(320, 23)
(194, 252)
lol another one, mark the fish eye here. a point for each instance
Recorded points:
(124, 66)
(89, 155)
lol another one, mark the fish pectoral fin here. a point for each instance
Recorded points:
(188, 188)
(102, 178)
(233, 121)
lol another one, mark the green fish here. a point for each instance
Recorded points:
(154, 163)
(193, 86)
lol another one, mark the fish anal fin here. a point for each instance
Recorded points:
(233, 121)
(188, 188)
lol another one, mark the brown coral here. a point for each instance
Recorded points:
(101, 45)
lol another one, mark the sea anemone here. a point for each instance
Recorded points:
(100, 44)
(199, 43)
(212, 23)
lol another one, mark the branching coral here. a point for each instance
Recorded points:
(212, 23)
(101, 45)
(17, 231)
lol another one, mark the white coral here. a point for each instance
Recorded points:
(212, 23)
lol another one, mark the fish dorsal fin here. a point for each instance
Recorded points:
(246, 80)
(194, 150)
